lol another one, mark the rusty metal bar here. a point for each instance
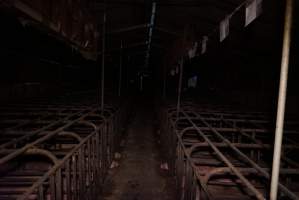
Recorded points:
(42, 152)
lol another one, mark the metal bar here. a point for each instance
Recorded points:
(150, 34)
(222, 170)
(42, 152)
(238, 145)
(58, 184)
(40, 193)
(164, 80)
(281, 99)
(120, 68)
(103, 62)
(80, 172)
(180, 86)
(68, 179)
(75, 178)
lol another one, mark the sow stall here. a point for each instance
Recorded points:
(216, 153)
(57, 151)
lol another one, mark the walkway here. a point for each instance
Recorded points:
(139, 176)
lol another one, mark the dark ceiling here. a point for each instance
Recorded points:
(127, 21)
(129, 24)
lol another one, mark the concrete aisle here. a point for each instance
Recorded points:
(139, 176)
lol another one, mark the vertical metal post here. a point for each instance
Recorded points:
(127, 73)
(120, 69)
(281, 99)
(103, 61)
(180, 86)
(164, 81)
(150, 34)
(181, 75)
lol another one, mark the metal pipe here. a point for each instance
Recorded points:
(225, 170)
(71, 134)
(150, 34)
(281, 99)
(42, 152)
(164, 80)
(120, 69)
(180, 86)
(103, 62)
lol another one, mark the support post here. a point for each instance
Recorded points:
(120, 68)
(281, 99)
(180, 85)
(164, 80)
(150, 34)
(103, 62)
(181, 76)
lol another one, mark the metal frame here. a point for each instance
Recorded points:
(211, 150)
(76, 143)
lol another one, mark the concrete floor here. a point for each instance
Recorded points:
(139, 176)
